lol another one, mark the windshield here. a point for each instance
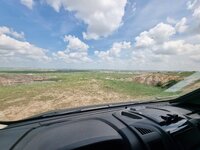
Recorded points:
(72, 53)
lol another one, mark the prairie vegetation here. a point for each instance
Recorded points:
(26, 93)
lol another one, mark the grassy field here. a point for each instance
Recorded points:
(71, 89)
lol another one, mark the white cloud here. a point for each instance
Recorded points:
(162, 43)
(28, 3)
(76, 50)
(114, 51)
(159, 39)
(181, 26)
(144, 40)
(197, 13)
(176, 47)
(104, 55)
(161, 32)
(75, 44)
(10, 45)
(158, 34)
(11, 32)
(171, 44)
(195, 7)
(191, 4)
(56, 4)
(174, 51)
(103, 17)
(147, 57)
(171, 48)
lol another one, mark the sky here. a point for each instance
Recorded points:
(100, 34)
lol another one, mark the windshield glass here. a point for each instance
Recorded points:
(73, 53)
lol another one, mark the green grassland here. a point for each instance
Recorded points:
(73, 89)
(78, 81)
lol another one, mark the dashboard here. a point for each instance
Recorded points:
(149, 126)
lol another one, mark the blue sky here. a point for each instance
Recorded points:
(100, 34)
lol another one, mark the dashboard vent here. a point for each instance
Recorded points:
(143, 131)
